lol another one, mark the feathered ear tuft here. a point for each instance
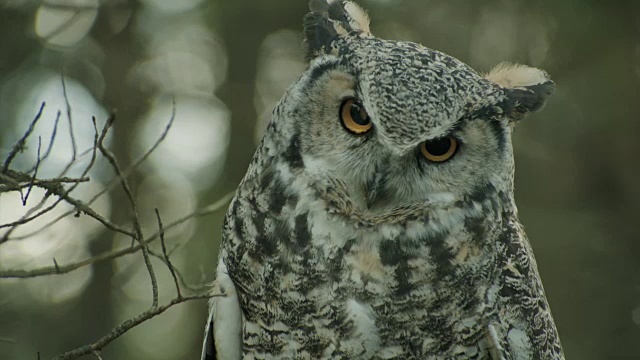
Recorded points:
(526, 87)
(510, 75)
(357, 17)
(329, 20)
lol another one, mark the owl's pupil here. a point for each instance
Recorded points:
(359, 115)
(438, 147)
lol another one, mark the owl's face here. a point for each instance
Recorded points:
(398, 123)
(390, 139)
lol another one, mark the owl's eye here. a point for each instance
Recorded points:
(354, 117)
(439, 150)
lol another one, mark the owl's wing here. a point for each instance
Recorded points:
(538, 337)
(209, 346)
(223, 333)
(496, 351)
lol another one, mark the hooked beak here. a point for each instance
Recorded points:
(375, 188)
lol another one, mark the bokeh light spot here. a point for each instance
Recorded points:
(37, 243)
(65, 22)
(280, 63)
(197, 143)
(172, 6)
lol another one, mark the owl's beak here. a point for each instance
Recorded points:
(375, 188)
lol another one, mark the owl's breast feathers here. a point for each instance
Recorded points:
(316, 277)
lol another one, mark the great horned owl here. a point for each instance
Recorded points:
(377, 218)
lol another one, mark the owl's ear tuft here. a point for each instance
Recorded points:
(329, 20)
(510, 75)
(527, 88)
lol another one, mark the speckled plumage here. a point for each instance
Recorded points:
(355, 247)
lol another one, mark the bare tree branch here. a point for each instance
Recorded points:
(113, 182)
(52, 139)
(134, 210)
(110, 255)
(164, 253)
(61, 188)
(74, 145)
(128, 325)
(143, 158)
(35, 174)
(56, 188)
(19, 146)
(11, 185)
(180, 277)
(28, 218)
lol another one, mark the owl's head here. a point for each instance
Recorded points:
(396, 122)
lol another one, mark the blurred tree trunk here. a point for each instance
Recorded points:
(121, 51)
(243, 25)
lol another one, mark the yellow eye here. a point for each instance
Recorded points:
(439, 150)
(354, 117)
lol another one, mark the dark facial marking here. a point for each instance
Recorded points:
(278, 196)
(403, 274)
(498, 132)
(281, 231)
(482, 192)
(476, 228)
(441, 255)
(318, 71)
(237, 219)
(268, 245)
(292, 155)
(390, 253)
(302, 233)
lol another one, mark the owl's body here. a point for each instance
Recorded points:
(350, 242)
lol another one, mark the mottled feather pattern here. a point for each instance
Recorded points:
(329, 21)
(356, 247)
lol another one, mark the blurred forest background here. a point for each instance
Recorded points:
(227, 62)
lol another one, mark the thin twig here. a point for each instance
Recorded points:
(68, 106)
(19, 146)
(134, 209)
(181, 279)
(55, 264)
(51, 140)
(79, 206)
(56, 187)
(128, 325)
(114, 254)
(111, 184)
(143, 158)
(35, 173)
(27, 216)
(58, 190)
(11, 185)
(164, 253)
(18, 178)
